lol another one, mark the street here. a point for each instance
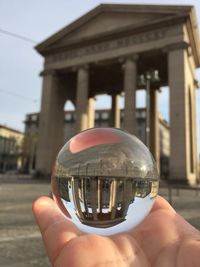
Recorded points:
(20, 240)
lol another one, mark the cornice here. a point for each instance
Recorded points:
(171, 15)
(122, 32)
(193, 32)
(125, 8)
(82, 66)
(132, 57)
(176, 46)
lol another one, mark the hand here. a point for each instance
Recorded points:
(163, 239)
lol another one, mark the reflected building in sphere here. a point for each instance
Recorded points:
(104, 182)
(102, 202)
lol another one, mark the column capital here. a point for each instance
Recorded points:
(91, 95)
(114, 93)
(48, 72)
(176, 46)
(132, 57)
(83, 66)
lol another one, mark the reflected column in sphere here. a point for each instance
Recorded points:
(105, 181)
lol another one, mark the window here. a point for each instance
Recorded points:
(34, 117)
(68, 116)
(104, 115)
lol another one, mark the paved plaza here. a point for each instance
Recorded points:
(20, 241)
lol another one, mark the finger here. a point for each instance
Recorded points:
(56, 230)
(161, 203)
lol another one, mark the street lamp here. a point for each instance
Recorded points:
(151, 76)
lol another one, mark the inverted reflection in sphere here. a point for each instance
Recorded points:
(105, 181)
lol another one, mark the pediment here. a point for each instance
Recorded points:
(105, 23)
(106, 19)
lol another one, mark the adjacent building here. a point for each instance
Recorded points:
(30, 142)
(102, 119)
(11, 143)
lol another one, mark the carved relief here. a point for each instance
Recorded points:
(106, 46)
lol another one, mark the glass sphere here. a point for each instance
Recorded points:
(105, 181)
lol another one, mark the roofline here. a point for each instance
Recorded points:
(97, 109)
(34, 113)
(193, 24)
(113, 7)
(114, 33)
(10, 129)
(69, 27)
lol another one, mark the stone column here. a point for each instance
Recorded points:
(91, 112)
(76, 199)
(115, 111)
(51, 122)
(130, 83)
(193, 132)
(82, 98)
(154, 126)
(179, 117)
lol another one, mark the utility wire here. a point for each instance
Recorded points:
(18, 96)
(24, 38)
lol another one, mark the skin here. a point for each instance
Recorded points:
(163, 239)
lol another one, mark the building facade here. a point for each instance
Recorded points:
(104, 52)
(30, 142)
(11, 143)
(102, 119)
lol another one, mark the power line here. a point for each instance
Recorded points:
(18, 96)
(24, 38)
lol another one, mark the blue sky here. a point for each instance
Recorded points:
(20, 85)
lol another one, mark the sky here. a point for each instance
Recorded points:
(20, 84)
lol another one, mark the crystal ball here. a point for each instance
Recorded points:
(105, 181)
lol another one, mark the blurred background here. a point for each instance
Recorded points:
(23, 25)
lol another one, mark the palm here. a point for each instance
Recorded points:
(163, 239)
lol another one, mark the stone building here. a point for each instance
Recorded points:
(164, 140)
(30, 142)
(104, 52)
(102, 119)
(103, 203)
(11, 142)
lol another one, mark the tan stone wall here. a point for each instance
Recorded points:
(11, 147)
(51, 123)
(116, 48)
(183, 124)
(101, 39)
(191, 127)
